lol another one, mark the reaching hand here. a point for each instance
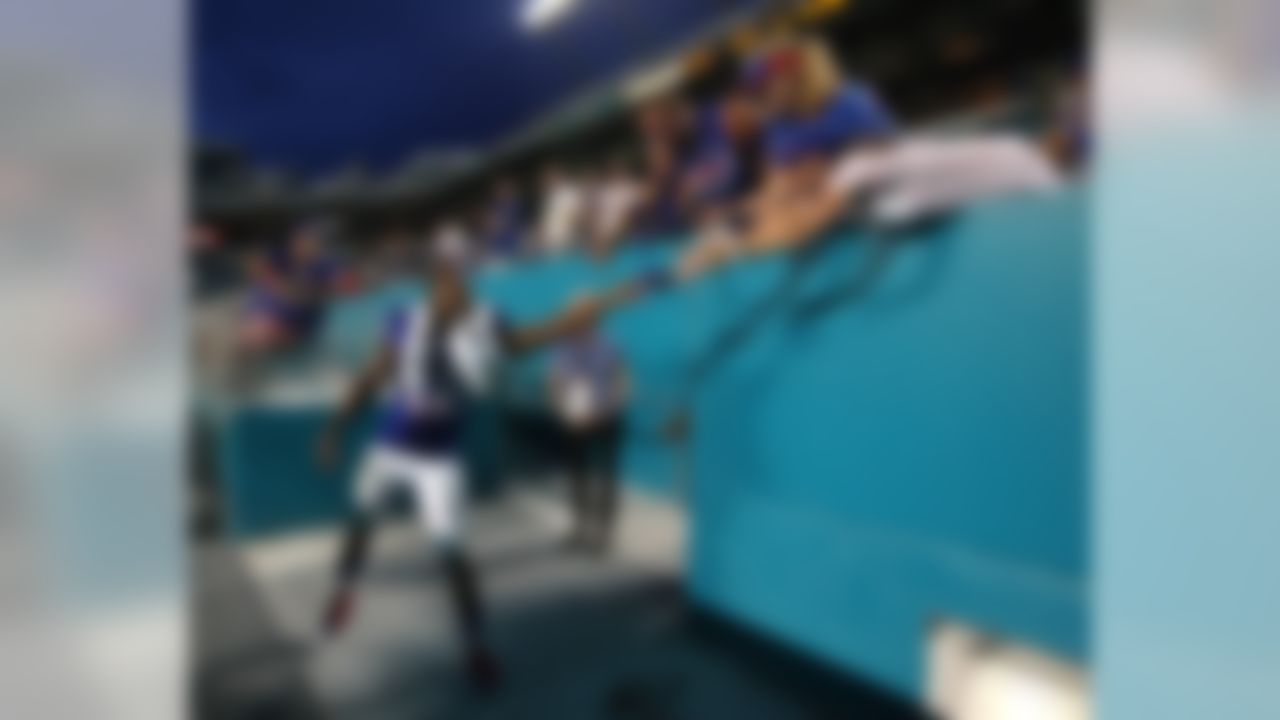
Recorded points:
(715, 246)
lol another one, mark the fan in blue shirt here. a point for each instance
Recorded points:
(853, 114)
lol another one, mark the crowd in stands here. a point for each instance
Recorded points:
(777, 155)
(696, 163)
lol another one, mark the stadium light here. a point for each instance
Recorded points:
(538, 15)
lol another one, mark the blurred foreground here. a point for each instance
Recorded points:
(580, 636)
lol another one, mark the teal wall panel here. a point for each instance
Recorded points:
(867, 464)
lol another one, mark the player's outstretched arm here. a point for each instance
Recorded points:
(579, 314)
(358, 397)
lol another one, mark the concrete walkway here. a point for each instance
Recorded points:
(579, 636)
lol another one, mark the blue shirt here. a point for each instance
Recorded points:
(302, 317)
(665, 215)
(506, 235)
(727, 169)
(852, 115)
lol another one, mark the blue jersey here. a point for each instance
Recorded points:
(852, 115)
(430, 420)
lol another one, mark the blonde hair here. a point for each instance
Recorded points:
(820, 74)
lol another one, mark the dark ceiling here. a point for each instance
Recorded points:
(309, 86)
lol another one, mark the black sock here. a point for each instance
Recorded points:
(355, 548)
(466, 597)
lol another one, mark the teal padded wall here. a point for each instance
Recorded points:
(270, 482)
(867, 464)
